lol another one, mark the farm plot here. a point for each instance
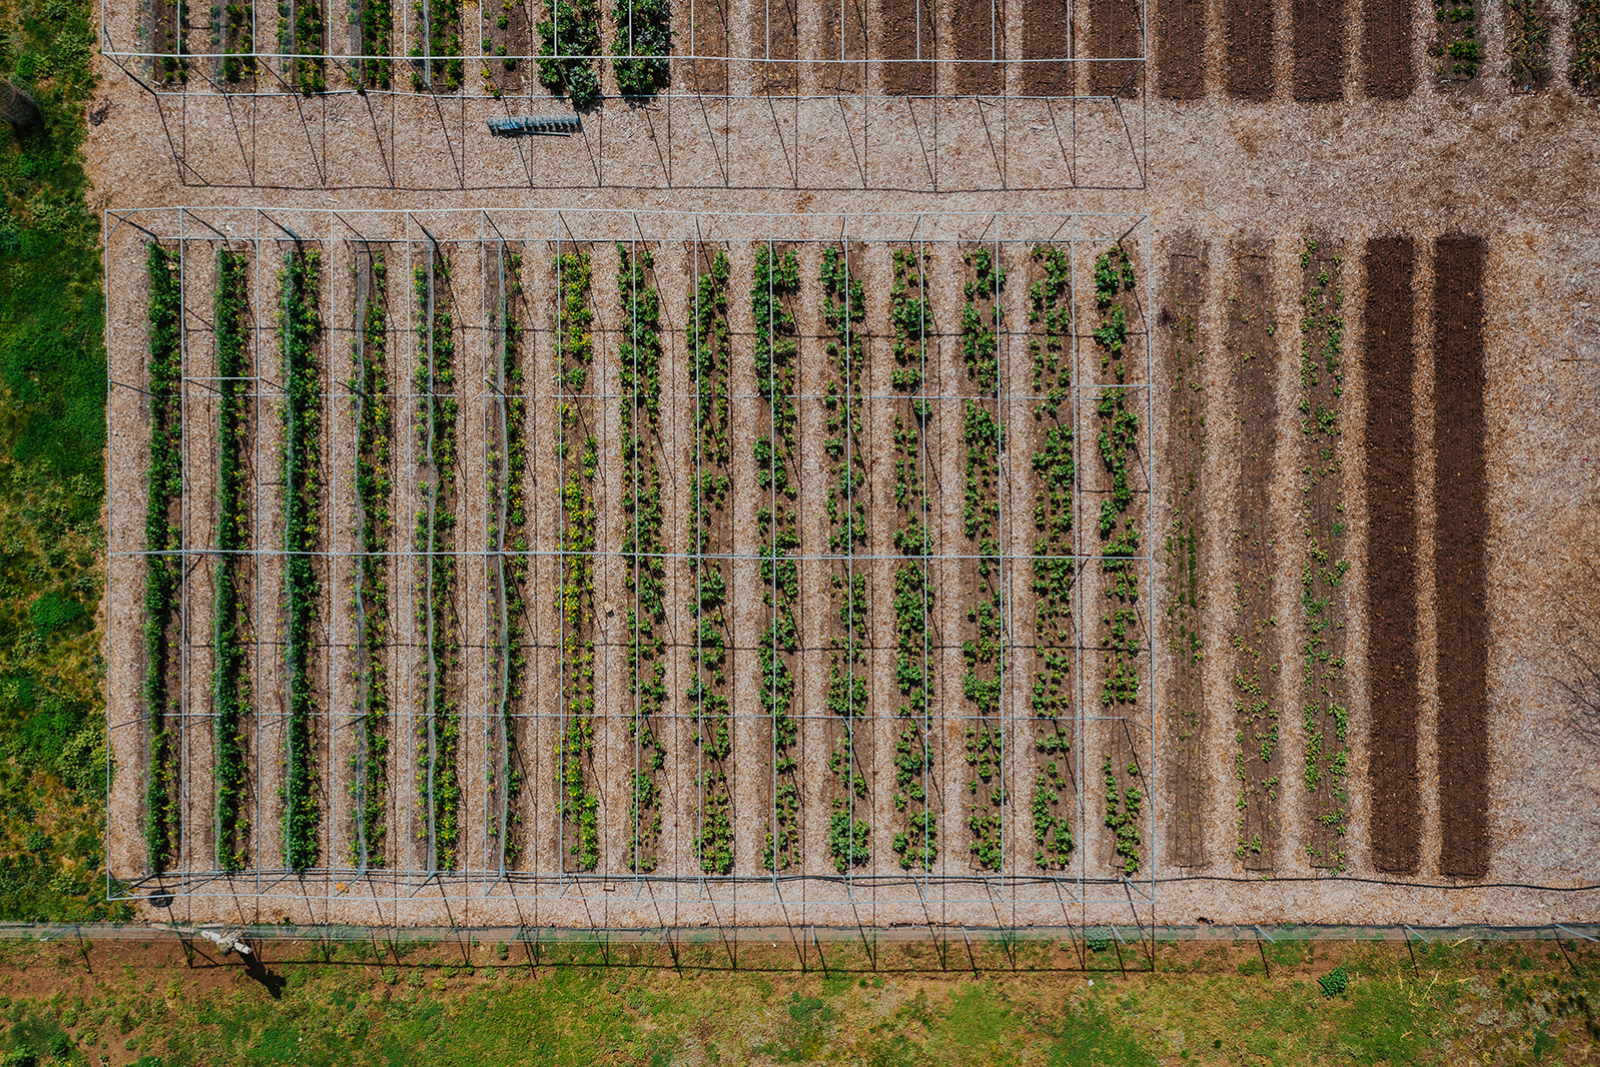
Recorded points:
(1248, 54)
(1319, 50)
(775, 35)
(1184, 635)
(507, 28)
(1388, 361)
(1325, 686)
(1115, 40)
(1457, 49)
(1256, 699)
(591, 728)
(1181, 49)
(1460, 553)
(909, 44)
(1386, 49)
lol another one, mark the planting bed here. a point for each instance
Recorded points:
(980, 43)
(1386, 49)
(1388, 361)
(707, 34)
(1247, 59)
(844, 35)
(1183, 594)
(775, 32)
(1319, 50)
(909, 44)
(508, 35)
(1253, 631)
(1180, 30)
(1115, 33)
(1460, 553)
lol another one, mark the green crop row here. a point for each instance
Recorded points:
(708, 538)
(1050, 325)
(642, 46)
(303, 25)
(1117, 440)
(440, 21)
(299, 331)
(910, 319)
(369, 384)
(1326, 719)
(238, 41)
(162, 533)
(508, 541)
(774, 288)
(574, 359)
(1527, 30)
(640, 377)
(437, 409)
(571, 33)
(844, 312)
(1457, 50)
(377, 25)
(174, 64)
(230, 686)
(1586, 47)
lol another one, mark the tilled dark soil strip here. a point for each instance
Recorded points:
(1318, 50)
(1047, 35)
(1183, 353)
(908, 46)
(1386, 49)
(1253, 352)
(1391, 563)
(1181, 49)
(1460, 538)
(775, 35)
(1114, 34)
(708, 36)
(844, 28)
(980, 41)
(1248, 53)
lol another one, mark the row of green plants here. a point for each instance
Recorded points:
(377, 27)
(1326, 718)
(238, 41)
(169, 39)
(710, 538)
(566, 39)
(438, 25)
(1456, 51)
(299, 334)
(434, 384)
(508, 562)
(503, 29)
(369, 386)
(230, 684)
(579, 454)
(1586, 47)
(983, 653)
(1527, 29)
(773, 291)
(844, 313)
(1119, 531)
(916, 842)
(163, 533)
(303, 26)
(1050, 346)
(640, 376)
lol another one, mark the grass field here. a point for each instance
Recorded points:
(1040, 1003)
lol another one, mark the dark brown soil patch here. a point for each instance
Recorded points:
(1319, 50)
(1253, 354)
(1183, 356)
(514, 38)
(980, 42)
(1046, 35)
(1247, 55)
(1456, 48)
(1114, 33)
(1460, 554)
(1181, 49)
(1386, 49)
(844, 28)
(775, 35)
(909, 46)
(708, 39)
(1388, 360)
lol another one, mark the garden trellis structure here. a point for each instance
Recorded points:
(486, 305)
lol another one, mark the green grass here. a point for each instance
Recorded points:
(52, 480)
(1029, 1003)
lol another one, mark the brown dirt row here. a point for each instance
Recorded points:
(844, 28)
(1257, 697)
(910, 43)
(979, 28)
(1180, 35)
(1183, 354)
(1114, 32)
(1386, 49)
(1247, 59)
(1460, 557)
(1046, 34)
(707, 36)
(516, 37)
(1388, 362)
(1325, 687)
(1319, 50)
(775, 35)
